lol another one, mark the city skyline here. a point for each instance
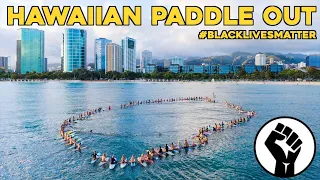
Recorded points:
(30, 42)
(165, 42)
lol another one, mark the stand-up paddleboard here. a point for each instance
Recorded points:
(102, 163)
(144, 164)
(112, 166)
(98, 156)
(123, 165)
(93, 161)
(73, 146)
(170, 153)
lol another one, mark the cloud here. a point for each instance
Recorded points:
(165, 41)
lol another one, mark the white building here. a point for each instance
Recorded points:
(271, 61)
(260, 59)
(129, 54)
(145, 59)
(114, 57)
(302, 65)
(290, 66)
(177, 60)
(280, 63)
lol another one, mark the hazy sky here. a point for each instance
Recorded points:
(163, 41)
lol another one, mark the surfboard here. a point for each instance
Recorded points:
(123, 165)
(133, 164)
(93, 161)
(102, 163)
(73, 146)
(144, 164)
(170, 153)
(98, 156)
(112, 166)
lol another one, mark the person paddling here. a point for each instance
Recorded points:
(113, 160)
(133, 159)
(104, 158)
(123, 159)
(78, 147)
(94, 155)
(185, 145)
(166, 148)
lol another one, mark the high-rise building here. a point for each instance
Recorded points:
(45, 65)
(30, 50)
(177, 60)
(62, 53)
(166, 64)
(145, 59)
(114, 57)
(129, 54)
(313, 61)
(260, 59)
(4, 63)
(74, 49)
(100, 54)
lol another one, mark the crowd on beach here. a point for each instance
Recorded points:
(197, 140)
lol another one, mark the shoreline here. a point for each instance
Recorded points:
(316, 83)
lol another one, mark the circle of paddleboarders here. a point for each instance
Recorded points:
(72, 139)
(75, 142)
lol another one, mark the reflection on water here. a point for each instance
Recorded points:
(31, 114)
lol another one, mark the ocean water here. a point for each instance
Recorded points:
(31, 115)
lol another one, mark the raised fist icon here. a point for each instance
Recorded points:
(286, 154)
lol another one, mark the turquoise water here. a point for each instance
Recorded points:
(31, 115)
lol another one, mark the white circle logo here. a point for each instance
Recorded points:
(285, 147)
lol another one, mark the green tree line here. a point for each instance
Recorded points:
(83, 74)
